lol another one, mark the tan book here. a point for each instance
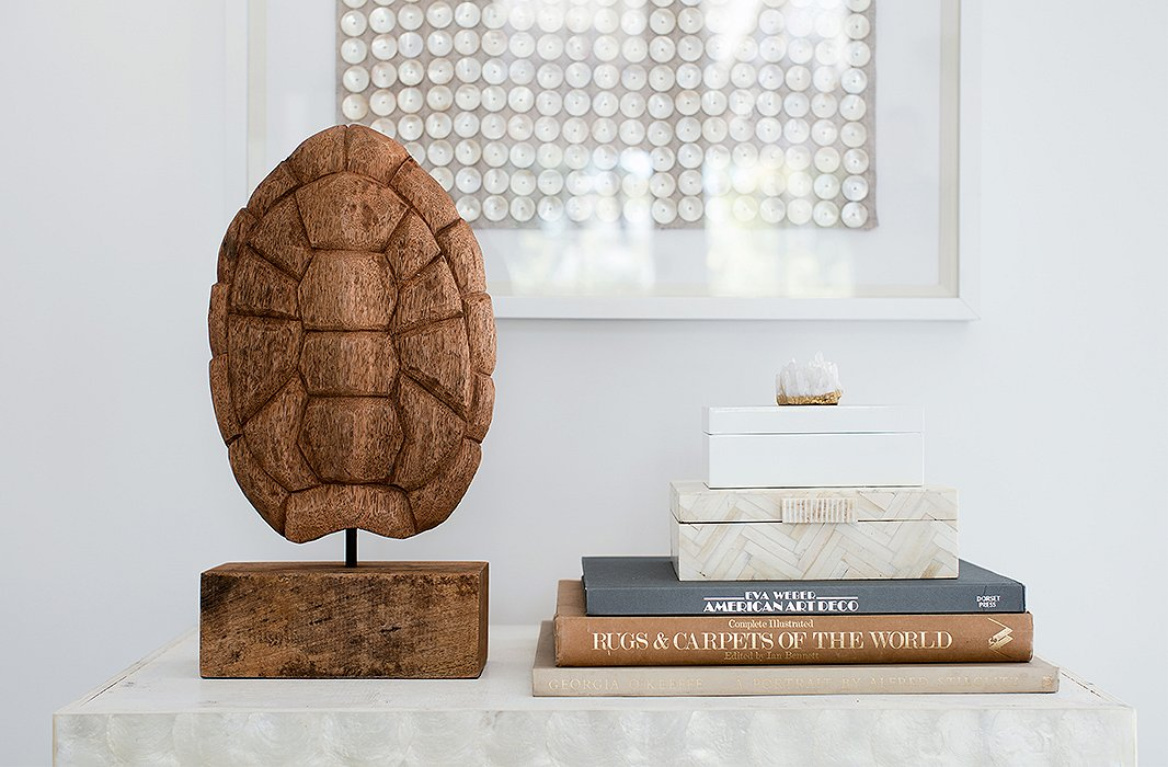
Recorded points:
(584, 640)
(552, 681)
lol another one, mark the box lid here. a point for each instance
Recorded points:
(694, 502)
(813, 419)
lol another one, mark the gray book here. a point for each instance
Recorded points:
(549, 680)
(618, 586)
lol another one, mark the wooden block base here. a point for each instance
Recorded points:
(401, 620)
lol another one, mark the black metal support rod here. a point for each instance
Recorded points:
(350, 547)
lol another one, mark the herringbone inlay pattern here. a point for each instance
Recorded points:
(695, 502)
(923, 548)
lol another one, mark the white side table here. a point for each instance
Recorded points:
(159, 712)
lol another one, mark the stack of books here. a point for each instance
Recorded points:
(797, 568)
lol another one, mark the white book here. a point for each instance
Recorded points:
(814, 460)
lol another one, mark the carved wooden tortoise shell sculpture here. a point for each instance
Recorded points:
(352, 342)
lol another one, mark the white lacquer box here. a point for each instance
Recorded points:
(813, 533)
(813, 446)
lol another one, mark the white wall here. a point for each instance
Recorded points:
(1050, 413)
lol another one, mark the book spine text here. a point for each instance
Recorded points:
(679, 641)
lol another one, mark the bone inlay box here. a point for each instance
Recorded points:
(816, 446)
(849, 533)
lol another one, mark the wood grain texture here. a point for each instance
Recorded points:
(351, 439)
(266, 494)
(461, 247)
(426, 197)
(261, 289)
(321, 155)
(438, 358)
(262, 354)
(353, 342)
(349, 363)
(347, 211)
(280, 238)
(373, 154)
(225, 416)
(217, 319)
(433, 502)
(433, 433)
(411, 247)
(481, 408)
(380, 509)
(277, 184)
(272, 437)
(347, 291)
(322, 620)
(480, 320)
(429, 296)
(239, 230)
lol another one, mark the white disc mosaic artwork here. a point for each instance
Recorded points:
(677, 113)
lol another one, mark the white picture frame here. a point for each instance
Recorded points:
(952, 295)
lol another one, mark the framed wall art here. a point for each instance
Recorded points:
(659, 159)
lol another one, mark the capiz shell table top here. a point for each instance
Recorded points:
(159, 712)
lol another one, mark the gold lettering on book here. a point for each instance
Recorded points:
(775, 644)
(721, 641)
(744, 656)
(839, 640)
(609, 641)
(911, 640)
(770, 623)
(802, 657)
